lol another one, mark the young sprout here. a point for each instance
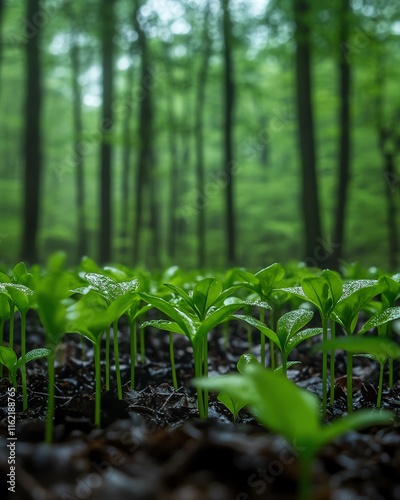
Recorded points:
(110, 290)
(323, 292)
(264, 285)
(195, 316)
(281, 406)
(288, 334)
(89, 317)
(9, 359)
(4, 315)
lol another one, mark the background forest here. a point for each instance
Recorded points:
(200, 132)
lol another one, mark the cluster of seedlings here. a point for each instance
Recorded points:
(91, 300)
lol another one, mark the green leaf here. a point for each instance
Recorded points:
(8, 358)
(20, 295)
(335, 284)
(377, 346)
(294, 290)
(32, 355)
(168, 326)
(205, 293)
(292, 322)
(389, 314)
(317, 291)
(234, 405)
(244, 361)
(103, 284)
(184, 321)
(181, 293)
(19, 271)
(269, 278)
(214, 319)
(260, 327)
(289, 364)
(354, 421)
(50, 293)
(299, 337)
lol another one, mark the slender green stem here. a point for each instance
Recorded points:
(11, 335)
(198, 368)
(248, 329)
(389, 333)
(142, 347)
(272, 354)
(116, 359)
(349, 373)
(172, 360)
(324, 365)
(332, 365)
(23, 367)
(205, 374)
(284, 364)
(262, 338)
(2, 322)
(380, 385)
(50, 397)
(97, 368)
(107, 359)
(305, 476)
(133, 340)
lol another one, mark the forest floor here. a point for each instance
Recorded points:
(152, 445)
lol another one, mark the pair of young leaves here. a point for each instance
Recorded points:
(197, 312)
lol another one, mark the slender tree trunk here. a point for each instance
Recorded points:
(310, 201)
(32, 139)
(393, 240)
(126, 162)
(174, 165)
(199, 138)
(229, 92)
(344, 130)
(78, 157)
(144, 174)
(108, 30)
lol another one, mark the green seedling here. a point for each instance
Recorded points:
(272, 399)
(194, 316)
(323, 292)
(4, 315)
(22, 298)
(379, 348)
(288, 334)
(346, 312)
(264, 285)
(90, 316)
(110, 290)
(50, 296)
(9, 359)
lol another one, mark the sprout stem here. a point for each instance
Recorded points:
(324, 365)
(97, 368)
(332, 364)
(172, 360)
(133, 340)
(107, 359)
(142, 347)
(116, 359)
(11, 334)
(23, 366)
(51, 395)
(262, 338)
(349, 373)
(380, 385)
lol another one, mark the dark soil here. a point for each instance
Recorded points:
(153, 446)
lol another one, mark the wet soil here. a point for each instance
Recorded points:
(152, 445)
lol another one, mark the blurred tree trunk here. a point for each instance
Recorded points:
(32, 138)
(108, 31)
(310, 201)
(78, 156)
(229, 92)
(199, 138)
(145, 181)
(126, 160)
(173, 154)
(344, 131)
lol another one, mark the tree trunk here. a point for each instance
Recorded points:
(78, 157)
(174, 166)
(108, 29)
(126, 163)
(344, 130)
(199, 138)
(144, 175)
(310, 201)
(229, 91)
(32, 139)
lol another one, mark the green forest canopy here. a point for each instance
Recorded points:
(145, 85)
